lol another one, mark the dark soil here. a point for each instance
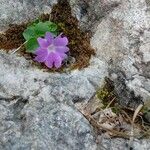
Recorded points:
(12, 37)
(79, 41)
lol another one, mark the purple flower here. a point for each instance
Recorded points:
(52, 50)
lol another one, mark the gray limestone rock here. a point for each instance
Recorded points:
(122, 40)
(37, 107)
(35, 123)
(17, 11)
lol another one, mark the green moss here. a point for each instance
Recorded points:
(116, 110)
(105, 93)
(102, 93)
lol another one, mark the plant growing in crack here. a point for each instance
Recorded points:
(42, 39)
(77, 51)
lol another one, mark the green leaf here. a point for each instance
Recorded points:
(35, 30)
(41, 28)
(52, 26)
(38, 29)
(32, 45)
(29, 33)
(55, 32)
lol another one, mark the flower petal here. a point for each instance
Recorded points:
(49, 37)
(43, 42)
(40, 51)
(58, 63)
(57, 60)
(50, 60)
(41, 55)
(63, 56)
(62, 49)
(60, 41)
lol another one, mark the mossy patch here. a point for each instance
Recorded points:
(106, 92)
(79, 41)
(12, 38)
(106, 114)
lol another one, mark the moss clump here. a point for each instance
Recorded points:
(116, 110)
(12, 37)
(105, 93)
(79, 41)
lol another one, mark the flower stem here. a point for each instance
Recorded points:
(19, 47)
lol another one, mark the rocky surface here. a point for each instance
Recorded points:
(118, 144)
(36, 107)
(121, 36)
(125, 40)
(16, 11)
